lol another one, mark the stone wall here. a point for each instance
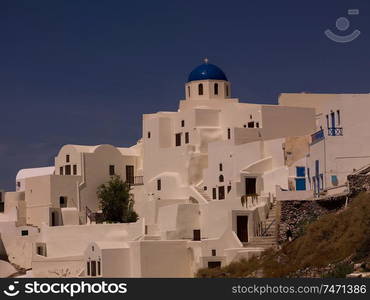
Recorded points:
(359, 182)
(295, 214)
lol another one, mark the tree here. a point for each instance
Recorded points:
(116, 201)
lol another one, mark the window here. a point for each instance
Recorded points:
(19, 183)
(214, 264)
(338, 116)
(186, 137)
(67, 158)
(74, 169)
(226, 90)
(214, 193)
(245, 126)
(213, 252)
(39, 250)
(99, 268)
(257, 125)
(200, 89)
(178, 139)
(148, 134)
(332, 116)
(220, 167)
(215, 89)
(68, 169)
(88, 268)
(111, 170)
(221, 178)
(250, 124)
(196, 235)
(61, 170)
(183, 123)
(189, 91)
(63, 201)
(221, 193)
(93, 268)
(228, 133)
(24, 232)
(205, 188)
(159, 185)
(92, 248)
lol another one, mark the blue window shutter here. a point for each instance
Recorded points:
(301, 172)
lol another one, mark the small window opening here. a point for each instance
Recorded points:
(216, 89)
(111, 170)
(200, 89)
(186, 137)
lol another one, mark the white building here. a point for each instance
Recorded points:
(204, 180)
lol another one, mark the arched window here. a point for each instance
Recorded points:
(200, 89)
(189, 91)
(221, 178)
(227, 90)
(215, 89)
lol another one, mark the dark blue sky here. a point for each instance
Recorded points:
(85, 71)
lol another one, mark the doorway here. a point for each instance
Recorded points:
(242, 228)
(54, 219)
(130, 174)
(250, 185)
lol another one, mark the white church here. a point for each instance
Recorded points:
(205, 180)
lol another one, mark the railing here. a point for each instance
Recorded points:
(246, 202)
(135, 180)
(335, 131)
(317, 136)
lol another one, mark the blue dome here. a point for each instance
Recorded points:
(207, 71)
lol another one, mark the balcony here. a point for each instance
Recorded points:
(135, 180)
(317, 136)
(335, 131)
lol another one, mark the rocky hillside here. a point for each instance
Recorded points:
(331, 246)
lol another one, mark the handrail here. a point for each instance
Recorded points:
(264, 233)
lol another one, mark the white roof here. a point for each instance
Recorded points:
(34, 172)
(83, 148)
(128, 151)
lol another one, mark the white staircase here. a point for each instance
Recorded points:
(268, 238)
(203, 193)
